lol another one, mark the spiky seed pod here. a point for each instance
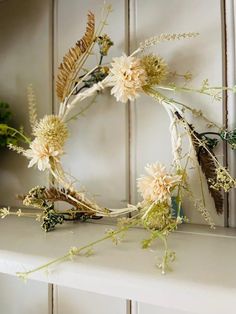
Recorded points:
(156, 69)
(51, 130)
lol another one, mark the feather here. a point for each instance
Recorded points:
(69, 67)
(207, 164)
(208, 167)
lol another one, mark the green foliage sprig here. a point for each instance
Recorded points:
(8, 134)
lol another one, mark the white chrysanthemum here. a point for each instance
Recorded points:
(158, 185)
(127, 76)
(40, 154)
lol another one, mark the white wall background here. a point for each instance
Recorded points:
(111, 144)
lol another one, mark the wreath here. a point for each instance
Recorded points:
(162, 190)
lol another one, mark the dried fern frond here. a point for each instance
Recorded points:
(73, 198)
(32, 106)
(68, 67)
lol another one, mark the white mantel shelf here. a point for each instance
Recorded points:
(203, 278)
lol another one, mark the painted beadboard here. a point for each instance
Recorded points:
(151, 123)
(99, 148)
(25, 58)
(17, 297)
(96, 152)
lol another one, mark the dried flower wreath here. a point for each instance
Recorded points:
(162, 191)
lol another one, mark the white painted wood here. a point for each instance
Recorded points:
(25, 57)
(202, 56)
(17, 297)
(204, 269)
(230, 20)
(25, 32)
(143, 308)
(96, 151)
(73, 301)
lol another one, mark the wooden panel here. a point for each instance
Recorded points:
(96, 151)
(231, 33)
(74, 301)
(154, 17)
(143, 308)
(16, 297)
(25, 28)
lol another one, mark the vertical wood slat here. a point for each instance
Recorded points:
(62, 41)
(19, 298)
(97, 148)
(150, 18)
(230, 14)
(73, 301)
(25, 58)
(225, 101)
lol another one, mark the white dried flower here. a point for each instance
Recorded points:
(41, 154)
(158, 185)
(127, 76)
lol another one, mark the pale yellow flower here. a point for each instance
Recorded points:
(127, 76)
(41, 154)
(158, 184)
(51, 131)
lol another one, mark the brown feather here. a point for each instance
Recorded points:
(208, 167)
(68, 67)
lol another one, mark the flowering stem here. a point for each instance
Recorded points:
(196, 90)
(160, 97)
(26, 139)
(23, 214)
(71, 253)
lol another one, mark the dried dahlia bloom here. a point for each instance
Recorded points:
(127, 77)
(41, 154)
(156, 69)
(158, 184)
(51, 131)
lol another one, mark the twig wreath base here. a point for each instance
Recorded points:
(162, 190)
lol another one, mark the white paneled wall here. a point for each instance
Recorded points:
(17, 297)
(25, 57)
(143, 308)
(72, 301)
(152, 123)
(231, 64)
(97, 148)
(112, 141)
